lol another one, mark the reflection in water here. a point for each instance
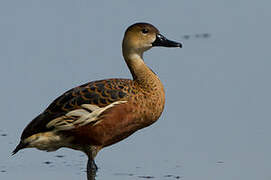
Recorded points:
(91, 169)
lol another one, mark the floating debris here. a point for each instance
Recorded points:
(173, 176)
(149, 177)
(202, 35)
(124, 174)
(206, 35)
(186, 36)
(47, 162)
(59, 156)
(146, 177)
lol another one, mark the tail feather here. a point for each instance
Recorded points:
(20, 146)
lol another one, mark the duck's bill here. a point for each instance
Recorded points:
(162, 41)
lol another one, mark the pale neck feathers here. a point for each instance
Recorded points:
(141, 73)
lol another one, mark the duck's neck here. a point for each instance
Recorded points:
(141, 73)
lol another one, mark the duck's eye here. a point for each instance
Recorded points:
(145, 31)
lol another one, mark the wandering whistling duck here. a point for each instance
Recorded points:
(100, 113)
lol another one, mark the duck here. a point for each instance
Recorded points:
(101, 113)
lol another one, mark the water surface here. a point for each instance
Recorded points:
(216, 123)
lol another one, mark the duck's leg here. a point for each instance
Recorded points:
(91, 169)
(91, 165)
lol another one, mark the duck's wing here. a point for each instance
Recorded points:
(80, 105)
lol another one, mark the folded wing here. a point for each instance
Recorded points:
(80, 105)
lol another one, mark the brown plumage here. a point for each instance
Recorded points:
(101, 113)
(100, 93)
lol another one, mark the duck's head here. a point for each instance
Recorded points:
(141, 37)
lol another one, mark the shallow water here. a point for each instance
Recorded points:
(216, 123)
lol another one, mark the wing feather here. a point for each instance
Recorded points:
(77, 102)
(80, 117)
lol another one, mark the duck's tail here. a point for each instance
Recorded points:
(20, 146)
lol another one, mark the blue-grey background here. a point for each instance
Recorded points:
(216, 123)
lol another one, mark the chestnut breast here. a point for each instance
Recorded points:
(141, 110)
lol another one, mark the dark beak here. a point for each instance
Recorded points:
(162, 41)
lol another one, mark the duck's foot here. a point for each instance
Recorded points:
(91, 169)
